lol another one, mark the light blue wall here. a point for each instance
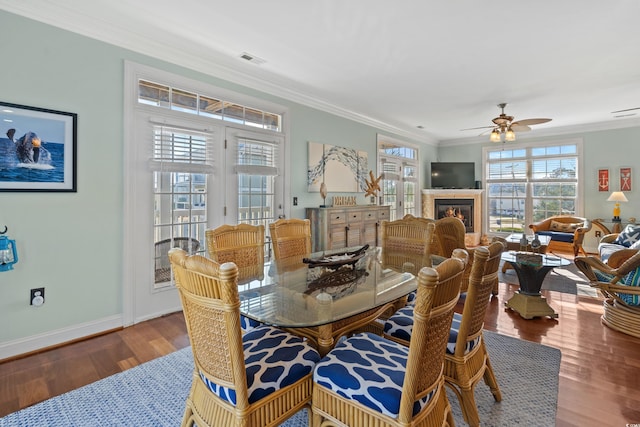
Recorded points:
(601, 149)
(71, 243)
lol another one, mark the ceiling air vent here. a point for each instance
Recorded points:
(252, 58)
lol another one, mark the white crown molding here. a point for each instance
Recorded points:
(209, 63)
(232, 70)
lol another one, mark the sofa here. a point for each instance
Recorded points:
(617, 247)
(565, 231)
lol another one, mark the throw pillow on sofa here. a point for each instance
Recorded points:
(629, 236)
(564, 227)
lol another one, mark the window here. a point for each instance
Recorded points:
(526, 184)
(398, 163)
(180, 166)
(256, 160)
(160, 95)
(179, 179)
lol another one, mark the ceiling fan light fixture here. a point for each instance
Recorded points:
(495, 135)
(510, 135)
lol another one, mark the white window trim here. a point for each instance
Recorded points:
(418, 196)
(578, 142)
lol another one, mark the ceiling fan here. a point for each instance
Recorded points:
(504, 125)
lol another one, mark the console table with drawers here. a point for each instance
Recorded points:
(346, 226)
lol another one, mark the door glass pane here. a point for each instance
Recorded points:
(179, 214)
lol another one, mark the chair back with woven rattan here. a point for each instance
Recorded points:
(220, 390)
(242, 244)
(211, 306)
(437, 296)
(410, 235)
(450, 233)
(290, 238)
(469, 363)
(483, 277)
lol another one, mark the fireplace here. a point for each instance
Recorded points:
(465, 204)
(458, 208)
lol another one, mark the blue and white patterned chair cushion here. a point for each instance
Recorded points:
(368, 369)
(248, 324)
(411, 298)
(273, 359)
(400, 326)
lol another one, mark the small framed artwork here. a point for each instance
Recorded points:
(625, 179)
(37, 149)
(603, 179)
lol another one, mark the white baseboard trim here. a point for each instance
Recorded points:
(59, 336)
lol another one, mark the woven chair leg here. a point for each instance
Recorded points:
(187, 418)
(469, 408)
(491, 381)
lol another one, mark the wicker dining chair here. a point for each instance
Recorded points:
(242, 244)
(410, 235)
(260, 378)
(450, 234)
(290, 238)
(162, 264)
(620, 287)
(402, 238)
(467, 360)
(348, 380)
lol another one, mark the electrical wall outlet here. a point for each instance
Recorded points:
(37, 297)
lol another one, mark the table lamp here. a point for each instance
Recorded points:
(617, 196)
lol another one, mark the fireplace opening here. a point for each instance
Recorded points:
(458, 208)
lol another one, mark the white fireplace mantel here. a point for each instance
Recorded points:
(428, 208)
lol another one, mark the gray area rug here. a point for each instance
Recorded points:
(153, 393)
(568, 280)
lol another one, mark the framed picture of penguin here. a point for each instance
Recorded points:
(37, 149)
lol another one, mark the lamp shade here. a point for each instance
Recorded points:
(510, 135)
(495, 135)
(617, 196)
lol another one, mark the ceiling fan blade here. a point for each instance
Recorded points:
(485, 132)
(628, 109)
(519, 127)
(528, 122)
(481, 127)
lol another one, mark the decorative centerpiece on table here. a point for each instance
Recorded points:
(337, 260)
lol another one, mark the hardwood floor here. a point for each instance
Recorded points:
(599, 373)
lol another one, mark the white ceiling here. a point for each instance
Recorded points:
(443, 65)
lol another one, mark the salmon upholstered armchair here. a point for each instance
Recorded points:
(565, 231)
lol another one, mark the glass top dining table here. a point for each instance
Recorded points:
(324, 294)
